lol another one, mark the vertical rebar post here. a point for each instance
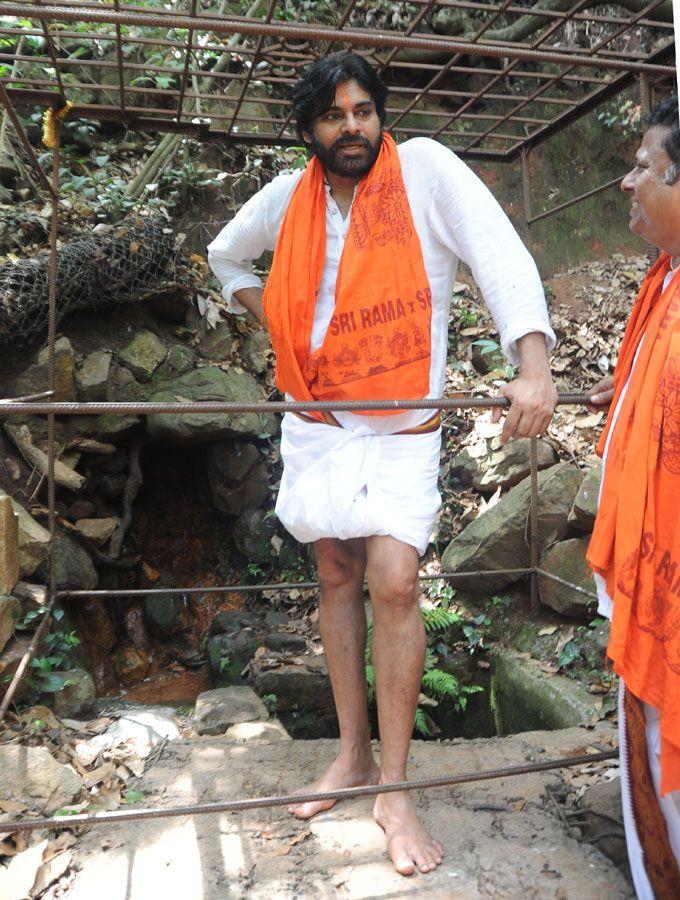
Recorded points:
(526, 194)
(533, 527)
(645, 94)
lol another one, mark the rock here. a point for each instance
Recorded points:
(269, 732)
(295, 687)
(178, 361)
(254, 349)
(76, 698)
(75, 569)
(131, 665)
(594, 645)
(229, 654)
(498, 539)
(237, 477)
(35, 379)
(143, 355)
(525, 700)
(567, 560)
(166, 615)
(10, 659)
(221, 708)
(33, 539)
(10, 610)
(99, 665)
(601, 804)
(252, 533)
(181, 688)
(31, 773)
(216, 343)
(97, 530)
(92, 378)
(583, 512)
(123, 387)
(284, 642)
(81, 509)
(488, 468)
(276, 618)
(209, 383)
(230, 620)
(8, 173)
(9, 546)
(110, 425)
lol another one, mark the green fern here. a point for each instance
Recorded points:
(420, 723)
(370, 683)
(440, 684)
(439, 619)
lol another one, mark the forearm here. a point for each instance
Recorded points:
(533, 354)
(251, 298)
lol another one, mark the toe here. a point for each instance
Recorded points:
(404, 865)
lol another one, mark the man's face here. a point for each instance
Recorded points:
(347, 137)
(655, 208)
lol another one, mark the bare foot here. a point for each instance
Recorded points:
(342, 773)
(409, 843)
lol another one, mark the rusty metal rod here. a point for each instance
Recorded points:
(42, 396)
(575, 200)
(270, 406)
(533, 527)
(274, 586)
(23, 137)
(569, 584)
(370, 790)
(234, 25)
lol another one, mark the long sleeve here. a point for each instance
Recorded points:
(245, 238)
(467, 219)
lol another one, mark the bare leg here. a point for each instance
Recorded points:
(398, 656)
(342, 622)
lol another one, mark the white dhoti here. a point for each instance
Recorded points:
(349, 483)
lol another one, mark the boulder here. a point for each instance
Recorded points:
(219, 709)
(178, 361)
(216, 343)
(166, 615)
(254, 351)
(525, 700)
(252, 533)
(35, 378)
(283, 642)
(33, 539)
(10, 610)
(123, 387)
(270, 732)
(9, 546)
(131, 665)
(230, 620)
(97, 530)
(209, 383)
(583, 512)
(499, 538)
(237, 477)
(143, 355)
(31, 773)
(92, 619)
(603, 818)
(295, 687)
(92, 378)
(75, 569)
(567, 560)
(229, 654)
(10, 660)
(76, 698)
(111, 426)
(488, 467)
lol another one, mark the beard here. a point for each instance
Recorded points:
(347, 167)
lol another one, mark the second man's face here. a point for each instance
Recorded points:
(347, 137)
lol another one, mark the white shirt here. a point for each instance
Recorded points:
(455, 217)
(605, 604)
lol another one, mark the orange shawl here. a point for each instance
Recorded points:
(636, 540)
(377, 346)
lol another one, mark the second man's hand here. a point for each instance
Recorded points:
(532, 394)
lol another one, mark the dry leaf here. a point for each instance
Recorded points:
(17, 879)
(51, 871)
(549, 629)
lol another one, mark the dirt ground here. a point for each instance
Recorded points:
(503, 838)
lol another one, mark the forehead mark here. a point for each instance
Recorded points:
(342, 96)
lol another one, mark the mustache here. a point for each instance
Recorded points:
(350, 142)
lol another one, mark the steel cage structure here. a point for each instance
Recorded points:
(519, 93)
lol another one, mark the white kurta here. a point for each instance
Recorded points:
(670, 804)
(364, 478)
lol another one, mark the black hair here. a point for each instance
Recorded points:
(315, 91)
(665, 115)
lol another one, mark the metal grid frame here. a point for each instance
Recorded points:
(585, 72)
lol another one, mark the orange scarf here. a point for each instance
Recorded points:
(377, 346)
(636, 540)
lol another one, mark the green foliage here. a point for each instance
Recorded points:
(622, 115)
(439, 619)
(271, 702)
(46, 677)
(570, 652)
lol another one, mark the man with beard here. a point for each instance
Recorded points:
(367, 243)
(635, 547)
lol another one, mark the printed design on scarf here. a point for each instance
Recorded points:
(666, 421)
(382, 213)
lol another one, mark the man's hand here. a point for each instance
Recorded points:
(532, 394)
(601, 394)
